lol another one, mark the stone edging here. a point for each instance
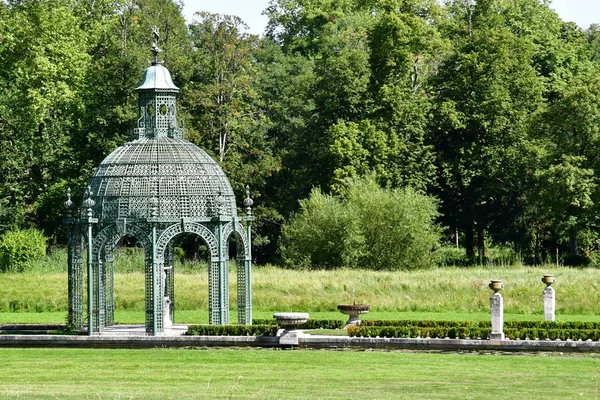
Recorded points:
(303, 341)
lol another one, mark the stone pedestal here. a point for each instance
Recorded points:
(289, 321)
(353, 311)
(549, 297)
(497, 311)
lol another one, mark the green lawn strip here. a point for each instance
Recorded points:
(272, 374)
(201, 317)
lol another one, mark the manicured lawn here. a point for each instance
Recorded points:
(275, 374)
(195, 317)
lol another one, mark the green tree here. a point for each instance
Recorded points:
(227, 111)
(44, 62)
(487, 88)
(569, 128)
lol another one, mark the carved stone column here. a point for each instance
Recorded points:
(549, 298)
(497, 311)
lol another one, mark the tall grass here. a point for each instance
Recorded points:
(449, 289)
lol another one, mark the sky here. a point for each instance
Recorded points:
(582, 12)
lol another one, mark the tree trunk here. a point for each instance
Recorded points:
(481, 244)
(456, 236)
(574, 251)
(470, 241)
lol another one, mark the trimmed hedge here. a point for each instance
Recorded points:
(423, 323)
(418, 331)
(232, 330)
(309, 324)
(553, 334)
(472, 332)
(551, 325)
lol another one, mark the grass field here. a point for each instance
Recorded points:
(439, 290)
(278, 374)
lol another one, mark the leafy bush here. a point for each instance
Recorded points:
(448, 256)
(232, 330)
(366, 226)
(18, 248)
(325, 234)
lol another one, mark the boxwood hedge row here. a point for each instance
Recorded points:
(232, 330)
(309, 324)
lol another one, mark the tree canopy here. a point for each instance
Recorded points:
(492, 107)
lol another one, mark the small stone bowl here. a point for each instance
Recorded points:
(290, 320)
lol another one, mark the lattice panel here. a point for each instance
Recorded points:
(244, 289)
(148, 280)
(214, 304)
(75, 284)
(109, 269)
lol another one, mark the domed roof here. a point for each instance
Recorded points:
(172, 175)
(157, 77)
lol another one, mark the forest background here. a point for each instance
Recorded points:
(489, 107)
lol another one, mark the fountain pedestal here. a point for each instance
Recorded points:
(290, 321)
(353, 311)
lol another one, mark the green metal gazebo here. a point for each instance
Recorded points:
(155, 188)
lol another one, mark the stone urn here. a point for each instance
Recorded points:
(496, 286)
(290, 320)
(548, 279)
(353, 311)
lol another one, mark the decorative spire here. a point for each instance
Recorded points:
(155, 50)
(69, 204)
(248, 202)
(88, 203)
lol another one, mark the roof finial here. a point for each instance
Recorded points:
(155, 50)
(248, 202)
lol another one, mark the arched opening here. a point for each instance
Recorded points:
(186, 256)
(123, 257)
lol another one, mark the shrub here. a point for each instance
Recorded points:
(419, 323)
(324, 234)
(366, 226)
(448, 256)
(309, 324)
(232, 330)
(18, 248)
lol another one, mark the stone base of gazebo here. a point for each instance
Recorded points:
(140, 330)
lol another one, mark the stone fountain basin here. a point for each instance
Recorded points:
(353, 309)
(290, 318)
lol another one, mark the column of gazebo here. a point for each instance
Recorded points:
(245, 267)
(109, 277)
(154, 277)
(74, 267)
(93, 296)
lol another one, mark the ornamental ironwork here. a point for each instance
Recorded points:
(155, 188)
